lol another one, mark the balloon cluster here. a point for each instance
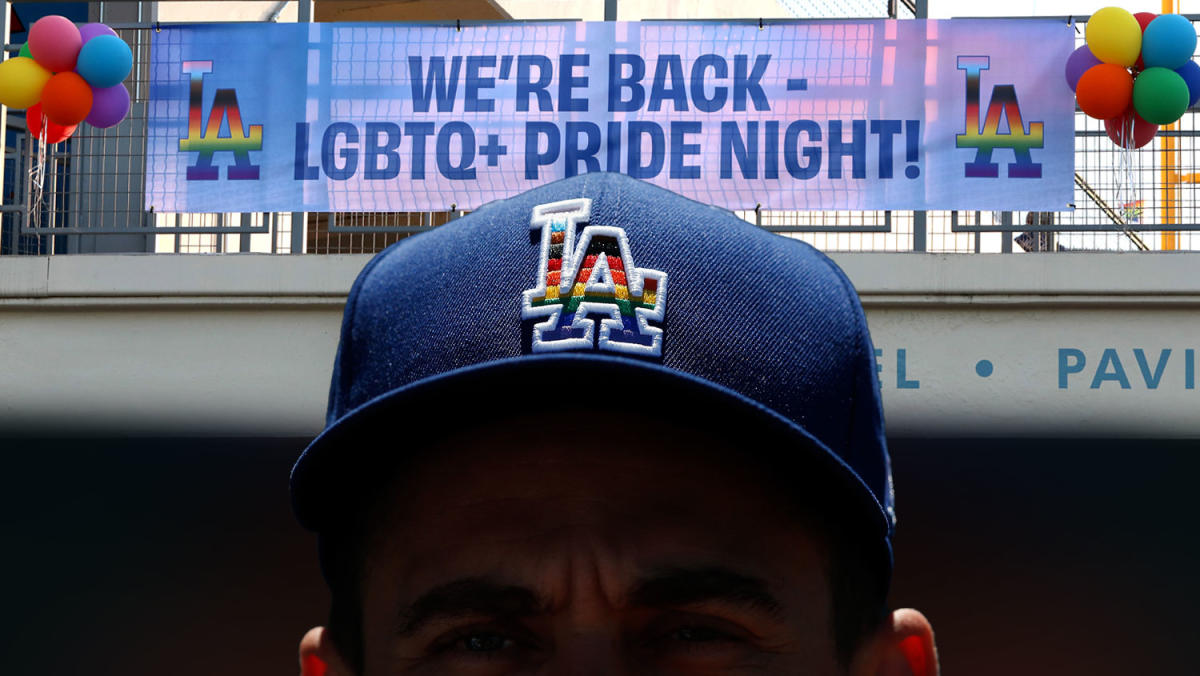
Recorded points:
(67, 75)
(1135, 73)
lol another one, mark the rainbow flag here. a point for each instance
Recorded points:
(1132, 211)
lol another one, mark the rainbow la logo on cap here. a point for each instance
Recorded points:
(589, 273)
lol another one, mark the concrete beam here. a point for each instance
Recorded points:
(968, 345)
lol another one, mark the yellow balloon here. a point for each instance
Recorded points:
(1114, 36)
(21, 82)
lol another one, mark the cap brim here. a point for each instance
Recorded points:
(342, 459)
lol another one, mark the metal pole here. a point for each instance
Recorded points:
(6, 10)
(299, 218)
(610, 10)
(244, 238)
(1169, 241)
(920, 223)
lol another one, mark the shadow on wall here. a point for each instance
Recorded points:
(180, 556)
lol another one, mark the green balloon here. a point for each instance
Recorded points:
(1160, 95)
(25, 51)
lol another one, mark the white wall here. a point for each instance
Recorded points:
(232, 10)
(244, 344)
(587, 10)
(636, 10)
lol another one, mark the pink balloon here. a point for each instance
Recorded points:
(54, 42)
(94, 30)
(110, 105)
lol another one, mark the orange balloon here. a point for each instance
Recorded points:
(67, 99)
(55, 133)
(1103, 92)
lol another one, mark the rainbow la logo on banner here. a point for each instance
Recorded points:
(988, 139)
(225, 111)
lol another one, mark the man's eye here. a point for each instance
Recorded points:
(699, 634)
(483, 642)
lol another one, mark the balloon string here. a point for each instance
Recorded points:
(38, 177)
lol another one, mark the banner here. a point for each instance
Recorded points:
(882, 114)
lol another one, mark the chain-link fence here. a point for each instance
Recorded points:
(94, 185)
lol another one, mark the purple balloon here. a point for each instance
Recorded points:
(109, 106)
(1078, 63)
(92, 30)
(1191, 75)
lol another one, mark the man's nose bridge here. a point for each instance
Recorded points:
(590, 651)
(588, 640)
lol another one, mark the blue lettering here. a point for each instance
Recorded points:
(613, 159)
(304, 171)
(568, 81)
(886, 130)
(423, 90)
(668, 64)
(348, 152)
(1151, 380)
(750, 84)
(1110, 368)
(632, 82)
(419, 131)
(746, 150)
(771, 150)
(572, 153)
(535, 158)
(680, 149)
(1065, 367)
(856, 149)
(526, 86)
(1189, 369)
(475, 82)
(700, 98)
(634, 166)
(373, 149)
(902, 381)
(791, 149)
(463, 171)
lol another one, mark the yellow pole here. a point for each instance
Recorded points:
(1170, 239)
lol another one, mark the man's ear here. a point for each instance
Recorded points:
(903, 646)
(318, 657)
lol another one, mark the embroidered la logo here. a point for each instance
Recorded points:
(589, 275)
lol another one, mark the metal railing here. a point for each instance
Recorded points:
(94, 185)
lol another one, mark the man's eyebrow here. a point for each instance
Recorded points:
(468, 596)
(669, 587)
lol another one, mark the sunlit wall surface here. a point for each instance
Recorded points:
(843, 9)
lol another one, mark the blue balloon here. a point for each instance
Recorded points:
(104, 61)
(1190, 72)
(1169, 42)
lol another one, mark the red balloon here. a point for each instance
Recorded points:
(67, 98)
(1103, 91)
(1143, 19)
(55, 132)
(1129, 130)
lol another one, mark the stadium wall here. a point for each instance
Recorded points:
(1092, 345)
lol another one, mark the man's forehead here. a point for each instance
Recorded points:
(522, 467)
(610, 435)
(523, 512)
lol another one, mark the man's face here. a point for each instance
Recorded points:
(612, 548)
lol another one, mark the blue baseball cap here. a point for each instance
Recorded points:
(600, 275)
